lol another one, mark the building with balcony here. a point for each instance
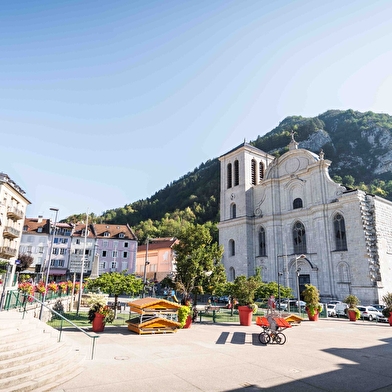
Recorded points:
(13, 204)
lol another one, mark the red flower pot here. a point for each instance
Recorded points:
(352, 315)
(98, 324)
(188, 322)
(314, 317)
(245, 313)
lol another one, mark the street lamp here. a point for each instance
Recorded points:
(298, 270)
(49, 262)
(146, 263)
(279, 275)
(84, 258)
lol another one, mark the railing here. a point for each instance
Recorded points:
(10, 232)
(29, 299)
(6, 251)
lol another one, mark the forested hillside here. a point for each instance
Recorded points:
(358, 144)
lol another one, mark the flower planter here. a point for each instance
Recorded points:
(188, 322)
(98, 324)
(315, 317)
(245, 313)
(390, 320)
(352, 315)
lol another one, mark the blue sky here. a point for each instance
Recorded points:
(103, 103)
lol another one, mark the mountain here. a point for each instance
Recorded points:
(358, 144)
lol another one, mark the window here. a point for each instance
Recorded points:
(236, 173)
(232, 247)
(262, 244)
(63, 251)
(61, 263)
(231, 274)
(113, 264)
(299, 238)
(297, 203)
(55, 251)
(126, 244)
(125, 255)
(121, 235)
(253, 172)
(340, 232)
(39, 230)
(105, 243)
(233, 211)
(106, 234)
(114, 253)
(261, 171)
(56, 241)
(229, 176)
(78, 241)
(41, 249)
(104, 253)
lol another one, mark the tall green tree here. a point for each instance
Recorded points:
(115, 283)
(198, 261)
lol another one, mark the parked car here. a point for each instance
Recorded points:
(334, 302)
(224, 299)
(378, 307)
(369, 312)
(293, 303)
(331, 310)
(341, 309)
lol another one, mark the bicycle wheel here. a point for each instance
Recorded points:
(264, 338)
(280, 338)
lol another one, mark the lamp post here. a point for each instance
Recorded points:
(298, 270)
(146, 263)
(279, 275)
(49, 261)
(82, 266)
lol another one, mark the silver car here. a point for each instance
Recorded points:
(369, 312)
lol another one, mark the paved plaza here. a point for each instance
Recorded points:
(328, 355)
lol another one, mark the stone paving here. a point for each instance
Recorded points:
(327, 355)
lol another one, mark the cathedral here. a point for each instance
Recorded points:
(287, 217)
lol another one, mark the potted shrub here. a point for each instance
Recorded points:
(312, 298)
(244, 292)
(387, 311)
(99, 313)
(184, 316)
(353, 313)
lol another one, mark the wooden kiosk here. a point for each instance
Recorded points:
(153, 315)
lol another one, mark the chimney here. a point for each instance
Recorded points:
(40, 218)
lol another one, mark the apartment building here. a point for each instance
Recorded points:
(13, 204)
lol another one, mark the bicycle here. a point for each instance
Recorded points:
(269, 336)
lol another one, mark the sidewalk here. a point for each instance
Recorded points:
(328, 355)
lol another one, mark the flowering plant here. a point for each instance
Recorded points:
(63, 287)
(26, 287)
(70, 284)
(53, 287)
(104, 310)
(40, 287)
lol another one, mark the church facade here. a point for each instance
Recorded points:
(289, 218)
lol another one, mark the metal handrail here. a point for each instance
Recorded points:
(30, 298)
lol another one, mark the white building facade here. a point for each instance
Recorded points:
(289, 218)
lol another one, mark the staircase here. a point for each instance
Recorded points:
(31, 358)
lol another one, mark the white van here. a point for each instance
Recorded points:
(341, 310)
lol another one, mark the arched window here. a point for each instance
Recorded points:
(262, 243)
(343, 273)
(236, 173)
(261, 171)
(340, 232)
(297, 203)
(299, 238)
(253, 171)
(231, 274)
(233, 211)
(232, 248)
(229, 176)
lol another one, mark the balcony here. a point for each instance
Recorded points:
(6, 252)
(14, 214)
(10, 232)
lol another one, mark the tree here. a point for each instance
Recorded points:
(25, 262)
(198, 261)
(116, 283)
